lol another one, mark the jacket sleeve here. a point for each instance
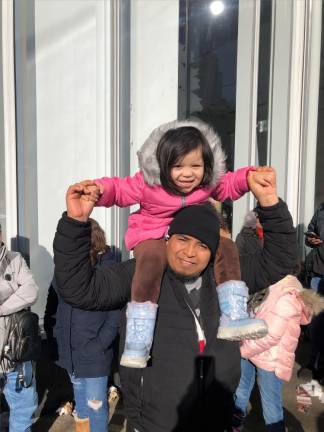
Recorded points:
(312, 227)
(25, 290)
(232, 185)
(278, 257)
(122, 192)
(277, 321)
(318, 259)
(80, 285)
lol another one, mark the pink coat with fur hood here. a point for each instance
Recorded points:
(284, 310)
(157, 206)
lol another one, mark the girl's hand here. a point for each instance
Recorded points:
(92, 189)
(262, 184)
(264, 176)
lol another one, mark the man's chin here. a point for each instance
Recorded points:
(186, 273)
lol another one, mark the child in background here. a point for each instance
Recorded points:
(181, 163)
(285, 307)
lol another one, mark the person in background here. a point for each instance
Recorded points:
(314, 237)
(85, 346)
(250, 239)
(18, 290)
(285, 307)
(314, 269)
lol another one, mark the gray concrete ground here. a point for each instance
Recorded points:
(312, 421)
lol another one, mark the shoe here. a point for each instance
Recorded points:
(276, 427)
(235, 323)
(237, 420)
(139, 334)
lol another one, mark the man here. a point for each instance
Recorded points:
(18, 290)
(190, 382)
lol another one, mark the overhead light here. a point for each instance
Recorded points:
(216, 7)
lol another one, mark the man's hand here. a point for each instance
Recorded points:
(262, 184)
(80, 200)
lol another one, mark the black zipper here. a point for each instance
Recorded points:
(141, 394)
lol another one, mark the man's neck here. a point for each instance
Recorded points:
(184, 278)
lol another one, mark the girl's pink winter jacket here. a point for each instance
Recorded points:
(157, 206)
(284, 311)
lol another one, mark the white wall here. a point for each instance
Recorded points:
(154, 68)
(71, 88)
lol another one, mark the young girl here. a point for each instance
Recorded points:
(286, 306)
(181, 163)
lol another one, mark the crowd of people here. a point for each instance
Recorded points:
(198, 316)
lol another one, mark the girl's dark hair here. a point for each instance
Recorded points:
(98, 241)
(174, 145)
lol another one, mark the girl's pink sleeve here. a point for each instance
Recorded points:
(232, 185)
(286, 308)
(122, 192)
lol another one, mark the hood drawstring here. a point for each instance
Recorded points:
(200, 332)
(3, 252)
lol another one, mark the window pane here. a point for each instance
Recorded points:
(319, 179)
(207, 69)
(2, 149)
(263, 83)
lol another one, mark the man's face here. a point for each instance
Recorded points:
(187, 255)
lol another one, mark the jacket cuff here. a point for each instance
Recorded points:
(105, 198)
(269, 212)
(279, 204)
(73, 228)
(242, 175)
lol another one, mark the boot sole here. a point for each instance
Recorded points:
(133, 362)
(253, 331)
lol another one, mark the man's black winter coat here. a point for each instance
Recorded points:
(180, 390)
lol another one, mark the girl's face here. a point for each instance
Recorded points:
(188, 172)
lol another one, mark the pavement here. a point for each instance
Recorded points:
(54, 387)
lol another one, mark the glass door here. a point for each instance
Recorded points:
(219, 64)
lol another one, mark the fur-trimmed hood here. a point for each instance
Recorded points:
(148, 163)
(312, 302)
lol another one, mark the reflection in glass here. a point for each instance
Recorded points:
(262, 156)
(2, 152)
(207, 69)
(319, 178)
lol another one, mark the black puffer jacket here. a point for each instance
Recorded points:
(316, 225)
(180, 390)
(279, 254)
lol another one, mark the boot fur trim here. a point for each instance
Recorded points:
(82, 425)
